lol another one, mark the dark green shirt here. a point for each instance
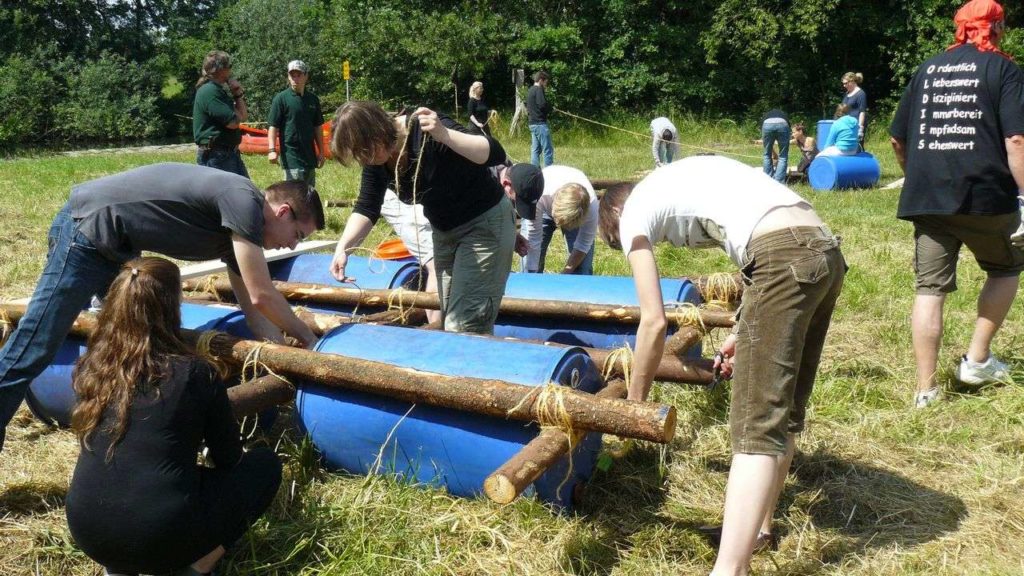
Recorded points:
(298, 118)
(212, 111)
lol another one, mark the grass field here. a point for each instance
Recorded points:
(876, 488)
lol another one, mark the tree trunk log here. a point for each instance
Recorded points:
(252, 397)
(508, 482)
(558, 309)
(496, 398)
(604, 184)
(680, 343)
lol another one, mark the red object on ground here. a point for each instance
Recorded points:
(254, 140)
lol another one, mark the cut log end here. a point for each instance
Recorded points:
(500, 489)
(670, 424)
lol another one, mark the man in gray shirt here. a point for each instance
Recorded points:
(179, 210)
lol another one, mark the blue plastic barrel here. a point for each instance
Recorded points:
(365, 433)
(616, 290)
(824, 127)
(370, 274)
(51, 396)
(840, 172)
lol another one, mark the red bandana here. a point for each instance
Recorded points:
(974, 24)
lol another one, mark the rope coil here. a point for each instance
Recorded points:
(721, 289)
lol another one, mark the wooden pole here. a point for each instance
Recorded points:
(508, 482)
(252, 397)
(336, 296)
(604, 184)
(489, 397)
(680, 343)
(701, 282)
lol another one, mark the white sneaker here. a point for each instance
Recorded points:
(923, 399)
(988, 372)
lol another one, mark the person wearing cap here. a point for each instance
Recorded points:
(427, 158)
(295, 115)
(218, 109)
(664, 141)
(181, 211)
(793, 271)
(958, 134)
(569, 203)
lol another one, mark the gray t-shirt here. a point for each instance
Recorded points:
(182, 211)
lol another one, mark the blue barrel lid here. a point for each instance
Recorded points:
(615, 290)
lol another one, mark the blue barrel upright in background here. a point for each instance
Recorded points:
(824, 127)
(51, 396)
(841, 172)
(614, 290)
(370, 274)
(365, 433)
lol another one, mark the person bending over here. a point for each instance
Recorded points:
(568, 203)
(793, 272)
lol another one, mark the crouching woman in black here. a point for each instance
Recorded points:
(138, 503)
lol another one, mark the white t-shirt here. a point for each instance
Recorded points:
(669, 203)
(555, 177)
(658, 127)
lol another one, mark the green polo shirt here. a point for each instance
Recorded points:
(298, 118)
(213, 109)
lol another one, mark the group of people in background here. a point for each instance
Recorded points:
(139, 503)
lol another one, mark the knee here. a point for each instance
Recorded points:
(263, 463)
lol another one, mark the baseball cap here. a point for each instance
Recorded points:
(298, 65)
(528, 184)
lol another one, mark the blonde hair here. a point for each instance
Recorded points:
(570, 206)
(856, 77)
(476, 90)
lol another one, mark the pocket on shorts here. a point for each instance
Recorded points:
(810, 270)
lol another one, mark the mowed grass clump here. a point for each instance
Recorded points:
(876, 488)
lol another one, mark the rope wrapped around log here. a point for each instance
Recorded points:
(507, 482)
(560, 309)
(489, 397)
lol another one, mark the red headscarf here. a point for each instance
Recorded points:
(974, 24)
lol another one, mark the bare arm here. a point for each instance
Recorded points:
(899, 147)
(263, 328)
(475, 148)
(650, 335)
(272, 143)
(573, 262)
(356, 230)
(262, 294)
(1015, 157)
(241, 108)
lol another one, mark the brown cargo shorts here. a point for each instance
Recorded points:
(792, 280)
(937, 242)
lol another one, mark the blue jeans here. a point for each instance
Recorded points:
(540, 139)
(586, 267)
(226, 159)
(74, 272)
(773, 131)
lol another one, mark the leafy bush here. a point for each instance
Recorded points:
(27, 94)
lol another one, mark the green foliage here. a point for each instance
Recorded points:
(111, 99)
(26, 94)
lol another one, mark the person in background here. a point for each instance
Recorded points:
(138, 501)
(296, 117)
(842, 136)
(538, 108)
(806, 145)
(793, 272)
(479, 113)
(775, 130)
(182, 211)
(568, 203)
(664, 141)
(963, 188)
(218, 109)
(857, 100)
(429, 159)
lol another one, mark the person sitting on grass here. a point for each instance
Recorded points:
(806, 145)
(842, 136)
(793, 272)
(138, 501)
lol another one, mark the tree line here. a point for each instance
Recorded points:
(126, 69)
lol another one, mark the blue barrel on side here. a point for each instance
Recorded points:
(615, 290)
(824, 127)
(370, 274)
(841, 172)
(51, 396)
(365, 433)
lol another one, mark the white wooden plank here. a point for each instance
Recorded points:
(216, 266)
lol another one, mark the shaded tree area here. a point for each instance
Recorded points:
(126, 69)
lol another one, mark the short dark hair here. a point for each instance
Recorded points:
(608, 218)
(540, 75)
(303, 198)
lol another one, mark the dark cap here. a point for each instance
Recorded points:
(528, 184)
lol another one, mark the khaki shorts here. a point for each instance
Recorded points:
(937, 242)
(792, 281)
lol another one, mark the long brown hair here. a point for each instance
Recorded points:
(137, 332)
(609, 211)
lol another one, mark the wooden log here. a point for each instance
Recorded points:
(489, 397)
(702, 282)
(670, 369)
(605, 183)
(507, 482)
(559, 309)
(252, 397)
(680, 343)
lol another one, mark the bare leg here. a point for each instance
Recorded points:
(993, 304)
(431, 286)
(926, 330)
(747, 496)
(208, 562)
(781, 471)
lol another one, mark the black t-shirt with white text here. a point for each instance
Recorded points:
(954, 118)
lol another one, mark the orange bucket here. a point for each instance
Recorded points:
(392, 249)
